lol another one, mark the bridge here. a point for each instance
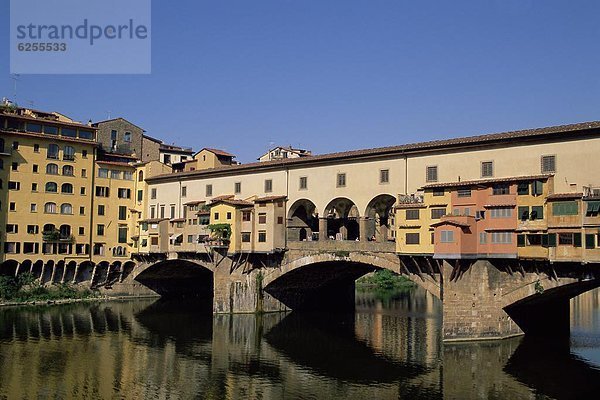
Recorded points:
(482, 299)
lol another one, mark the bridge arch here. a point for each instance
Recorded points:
(178, 278)
(342, 217)
(323, 280)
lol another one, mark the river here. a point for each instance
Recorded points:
(389, 349)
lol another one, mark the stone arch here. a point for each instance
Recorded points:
(9, 268)
(178, 278)
(128, 268)
(25, 267)
(69, 274)
(311, 281)
(378, 215)
(342, 217)
(302, 220)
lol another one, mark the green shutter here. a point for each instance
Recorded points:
(552, 240)
(537, 188)
(537, 212)
(523, 188)
(523, 213)
(577, 239)
(565, 208)
(520, 240)
(590, 241)
(545, 240)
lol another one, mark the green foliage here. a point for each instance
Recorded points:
(220, 231)
(385, 279)
(26, 288)
(342, 254)
(539, 289)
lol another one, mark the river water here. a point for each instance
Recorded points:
(389, 349)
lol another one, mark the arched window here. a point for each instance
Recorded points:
(49, 228)
(68, 153)
(66, 208)
(51, 187)
(67, 170)
(52, 169)
(53, 151)
(66, 188)
(50, 208)
(140, 176)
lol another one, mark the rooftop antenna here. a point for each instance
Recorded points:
(108, 114)
(15, 78)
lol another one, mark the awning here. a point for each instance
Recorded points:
(176, 236)
(593, 207)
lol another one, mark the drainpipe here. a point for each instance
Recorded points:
(287, 194)
(92, 196)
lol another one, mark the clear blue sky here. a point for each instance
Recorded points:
(332, 75)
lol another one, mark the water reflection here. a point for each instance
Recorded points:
(389, 349)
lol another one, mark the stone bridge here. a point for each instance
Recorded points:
(482, 299)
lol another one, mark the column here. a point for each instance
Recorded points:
(363, 222)
(322, 228)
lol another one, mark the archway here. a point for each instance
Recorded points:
(378, 215)
(179, 279)
(303, 221)
(342, 217)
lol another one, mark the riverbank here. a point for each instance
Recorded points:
(384, 280)
(72, 300)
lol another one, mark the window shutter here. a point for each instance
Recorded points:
(520, 240)
(577, 239)
(544, 240)
(524, 213)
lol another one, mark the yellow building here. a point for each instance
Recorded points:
(46, 193)
(532, 215)
(414, 216)
(209, 158)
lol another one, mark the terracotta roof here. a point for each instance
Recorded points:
(555, 132)
(203, 212)
(49, 121)
(561, 196)
(50, 137)
(500, 205)
(410, 205)
(477, 182)
(222, 197)
(218, 152)
(177, 220)
(193, 203)
(234, 202)
(451, 222)
(269, 198)
(120, 163)
(116, 119)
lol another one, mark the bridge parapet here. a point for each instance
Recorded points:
(343, 245)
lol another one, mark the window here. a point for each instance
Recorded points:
(12, 185)
(190, 239)
(464, 192)
(237, 187)
(431, 174)
(590, 241)
(268, 185)
(162, 211)
(384, 176)
(447, 236)
(68, 153)
(66, 188)
(84, 153)
(52, 169)
(523, 213)
(209, 190)
(341, 180)
(33, 207)
(52, 151)
(412, 214)
(50, 208)
(15, 146)
(245, 237)
(122, 213)
(303, 182)
(102, 191)
(36, 168)
(501, 212)
(437, 213)
(122, 234)
(82, 210)
(11, 248)
(487, 169)
(537, 188)
(50, 130)
(184, 191)
(246, 215)
(262, 236)
(102, 173)
(172, 213)
(127, 137)
(279, 220)
(565, 208)
(500, 189)
(593, 208)
(167, 159)
(81, 231)
(15, 166)
(228, 215)
(482, 238)
(537, 212)
(548, 164)
(100, 230)
(68, 132)
(123, 193)
(412, 238)
(438, 192)
(262, 218)
(153, 193)
(82, 191)
(66, 208)
(128, 175)
(140, 196)
(565, 238)
(152, 211)
(114, 174)
(502, 237)
(12, 228)
(33, 229)
(523, 188)
(101, 209)
(67, 170)
(51, 187)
